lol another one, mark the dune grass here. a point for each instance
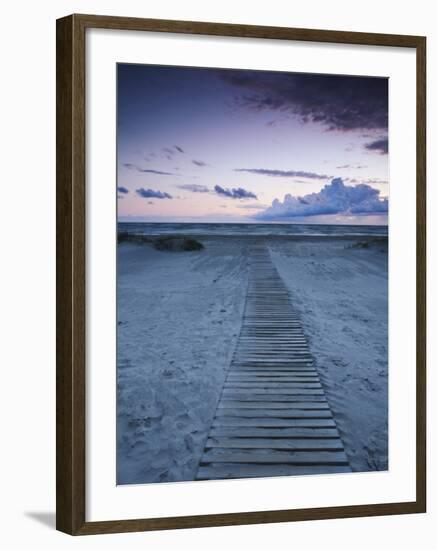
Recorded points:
(164, 243)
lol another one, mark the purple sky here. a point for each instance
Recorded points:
(214, 145)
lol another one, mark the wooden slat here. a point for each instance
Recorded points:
(266, 443)
(260, 386)
(275, 422)
(275, 398)
(272, 372)
(270, 360)
(272, 391)
(232, 404)
(260, 373)
(240, 471)
(271, 456)
(287, 433)
(271, 378)
(273, 413)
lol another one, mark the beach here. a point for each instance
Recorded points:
(179, 319)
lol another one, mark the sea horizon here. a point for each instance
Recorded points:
(252, 229)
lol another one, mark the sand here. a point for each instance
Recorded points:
(179, 317)
(341, 292)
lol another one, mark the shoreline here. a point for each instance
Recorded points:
(306, 238)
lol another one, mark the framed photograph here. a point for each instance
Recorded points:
(240, 274)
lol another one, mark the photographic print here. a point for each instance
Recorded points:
(252, 274)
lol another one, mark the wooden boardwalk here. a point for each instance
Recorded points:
(272, 417)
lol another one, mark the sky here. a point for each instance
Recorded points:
(221, 145)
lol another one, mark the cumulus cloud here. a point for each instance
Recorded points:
(338, 102)
(236, 193)
(194, 188)
(334, 198)
(283, 173)
(379, 146)
(122, 189)
(137, 168)
(150, 193)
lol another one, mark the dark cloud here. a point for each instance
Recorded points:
(283, 173)
(334, 198)
(337, 102)
(179, 149)
(122, 189)
(151, 194)
(236, 193)
(199, 163)
(380, 146)
(130, 166)
(194, 188)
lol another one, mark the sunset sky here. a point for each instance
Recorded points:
(216, 145)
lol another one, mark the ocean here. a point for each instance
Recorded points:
(253, 229)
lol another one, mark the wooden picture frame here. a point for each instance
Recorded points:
(71, 253)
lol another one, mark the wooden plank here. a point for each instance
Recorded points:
(272, 391)
(309, 374)
(228, 392)
(272, 413)
(278, 398)
(241, 395)
(272, 324)
(273, 433)
(274, 457)
(268, 385)
(271, 342)
(288, 338)
(290, 358)
(266, 443)
(272, 372)
(287, 361)
(273, 355)
(273, 351)
(276, 346)
(274, 422)
(267, 378)
(291, 332)
(271, 378)
(279, 374)
(235, 404)
(255, 316)
(276, 357)
(240, 471)
(275, 367)
(247, 338)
